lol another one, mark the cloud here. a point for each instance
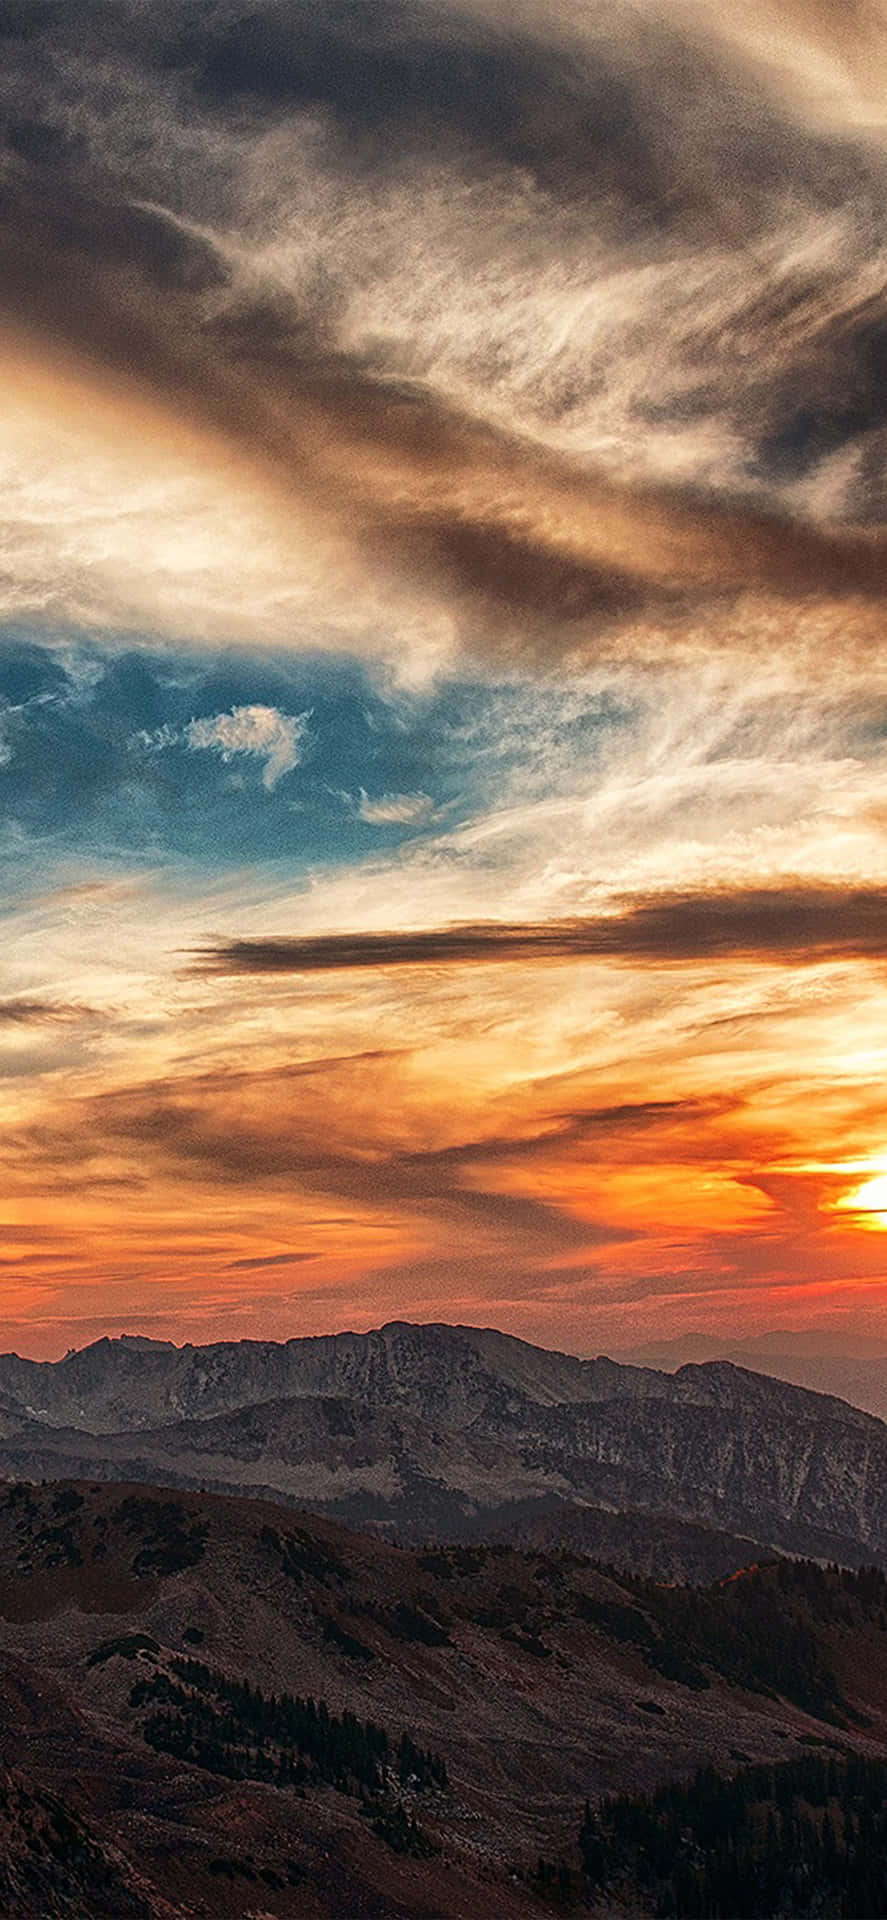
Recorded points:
(534, 354)
(395, 809)
(24, 1012)
(264, 732)
(275, 737)
(595, 1131)
(320, 1131)
(269, 1260)
(605, 1140)
(788, 925)
(646, 391)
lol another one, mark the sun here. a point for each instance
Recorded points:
(866, 1202)
(869, 1200)
(871, 1197)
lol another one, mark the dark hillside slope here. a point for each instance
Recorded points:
(246, 1709)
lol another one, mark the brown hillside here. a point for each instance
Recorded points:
(537, 1679)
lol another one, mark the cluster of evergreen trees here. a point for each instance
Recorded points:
(170, 1542)
(402, 1833)
(419, 1768)
(301, 1554)
(762, 1630)
(233, 1728)
(804, 1837)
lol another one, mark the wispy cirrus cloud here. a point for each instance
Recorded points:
(261, 732)
(22, 1012)
(646, 390)
(190, 1125)
(395, 809)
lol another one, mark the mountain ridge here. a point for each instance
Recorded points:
(438, 1432)
(380, 1353)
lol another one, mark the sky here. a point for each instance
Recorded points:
(443, 702)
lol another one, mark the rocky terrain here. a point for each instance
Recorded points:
(435, 1432)
(216, 1706)
(133, 1382)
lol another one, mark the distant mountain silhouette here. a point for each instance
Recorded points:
(852, 1370)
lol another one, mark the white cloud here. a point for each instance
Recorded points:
(274, 736)
(395, 809)
(267, 733)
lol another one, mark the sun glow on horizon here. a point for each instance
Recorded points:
(868, 1202)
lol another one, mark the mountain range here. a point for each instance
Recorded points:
(455, 1433)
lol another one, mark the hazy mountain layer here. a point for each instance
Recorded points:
(826, 1365)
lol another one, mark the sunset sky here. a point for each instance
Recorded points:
(443, 693)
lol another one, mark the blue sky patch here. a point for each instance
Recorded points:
(221, 759)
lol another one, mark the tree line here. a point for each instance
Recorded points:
(799, 1837)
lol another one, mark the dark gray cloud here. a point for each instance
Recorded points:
(789, 925)
(589, 1133)
(269, 1260)
(605, 115)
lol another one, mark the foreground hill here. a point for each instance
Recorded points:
(212, 1706)
(454, 1432)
